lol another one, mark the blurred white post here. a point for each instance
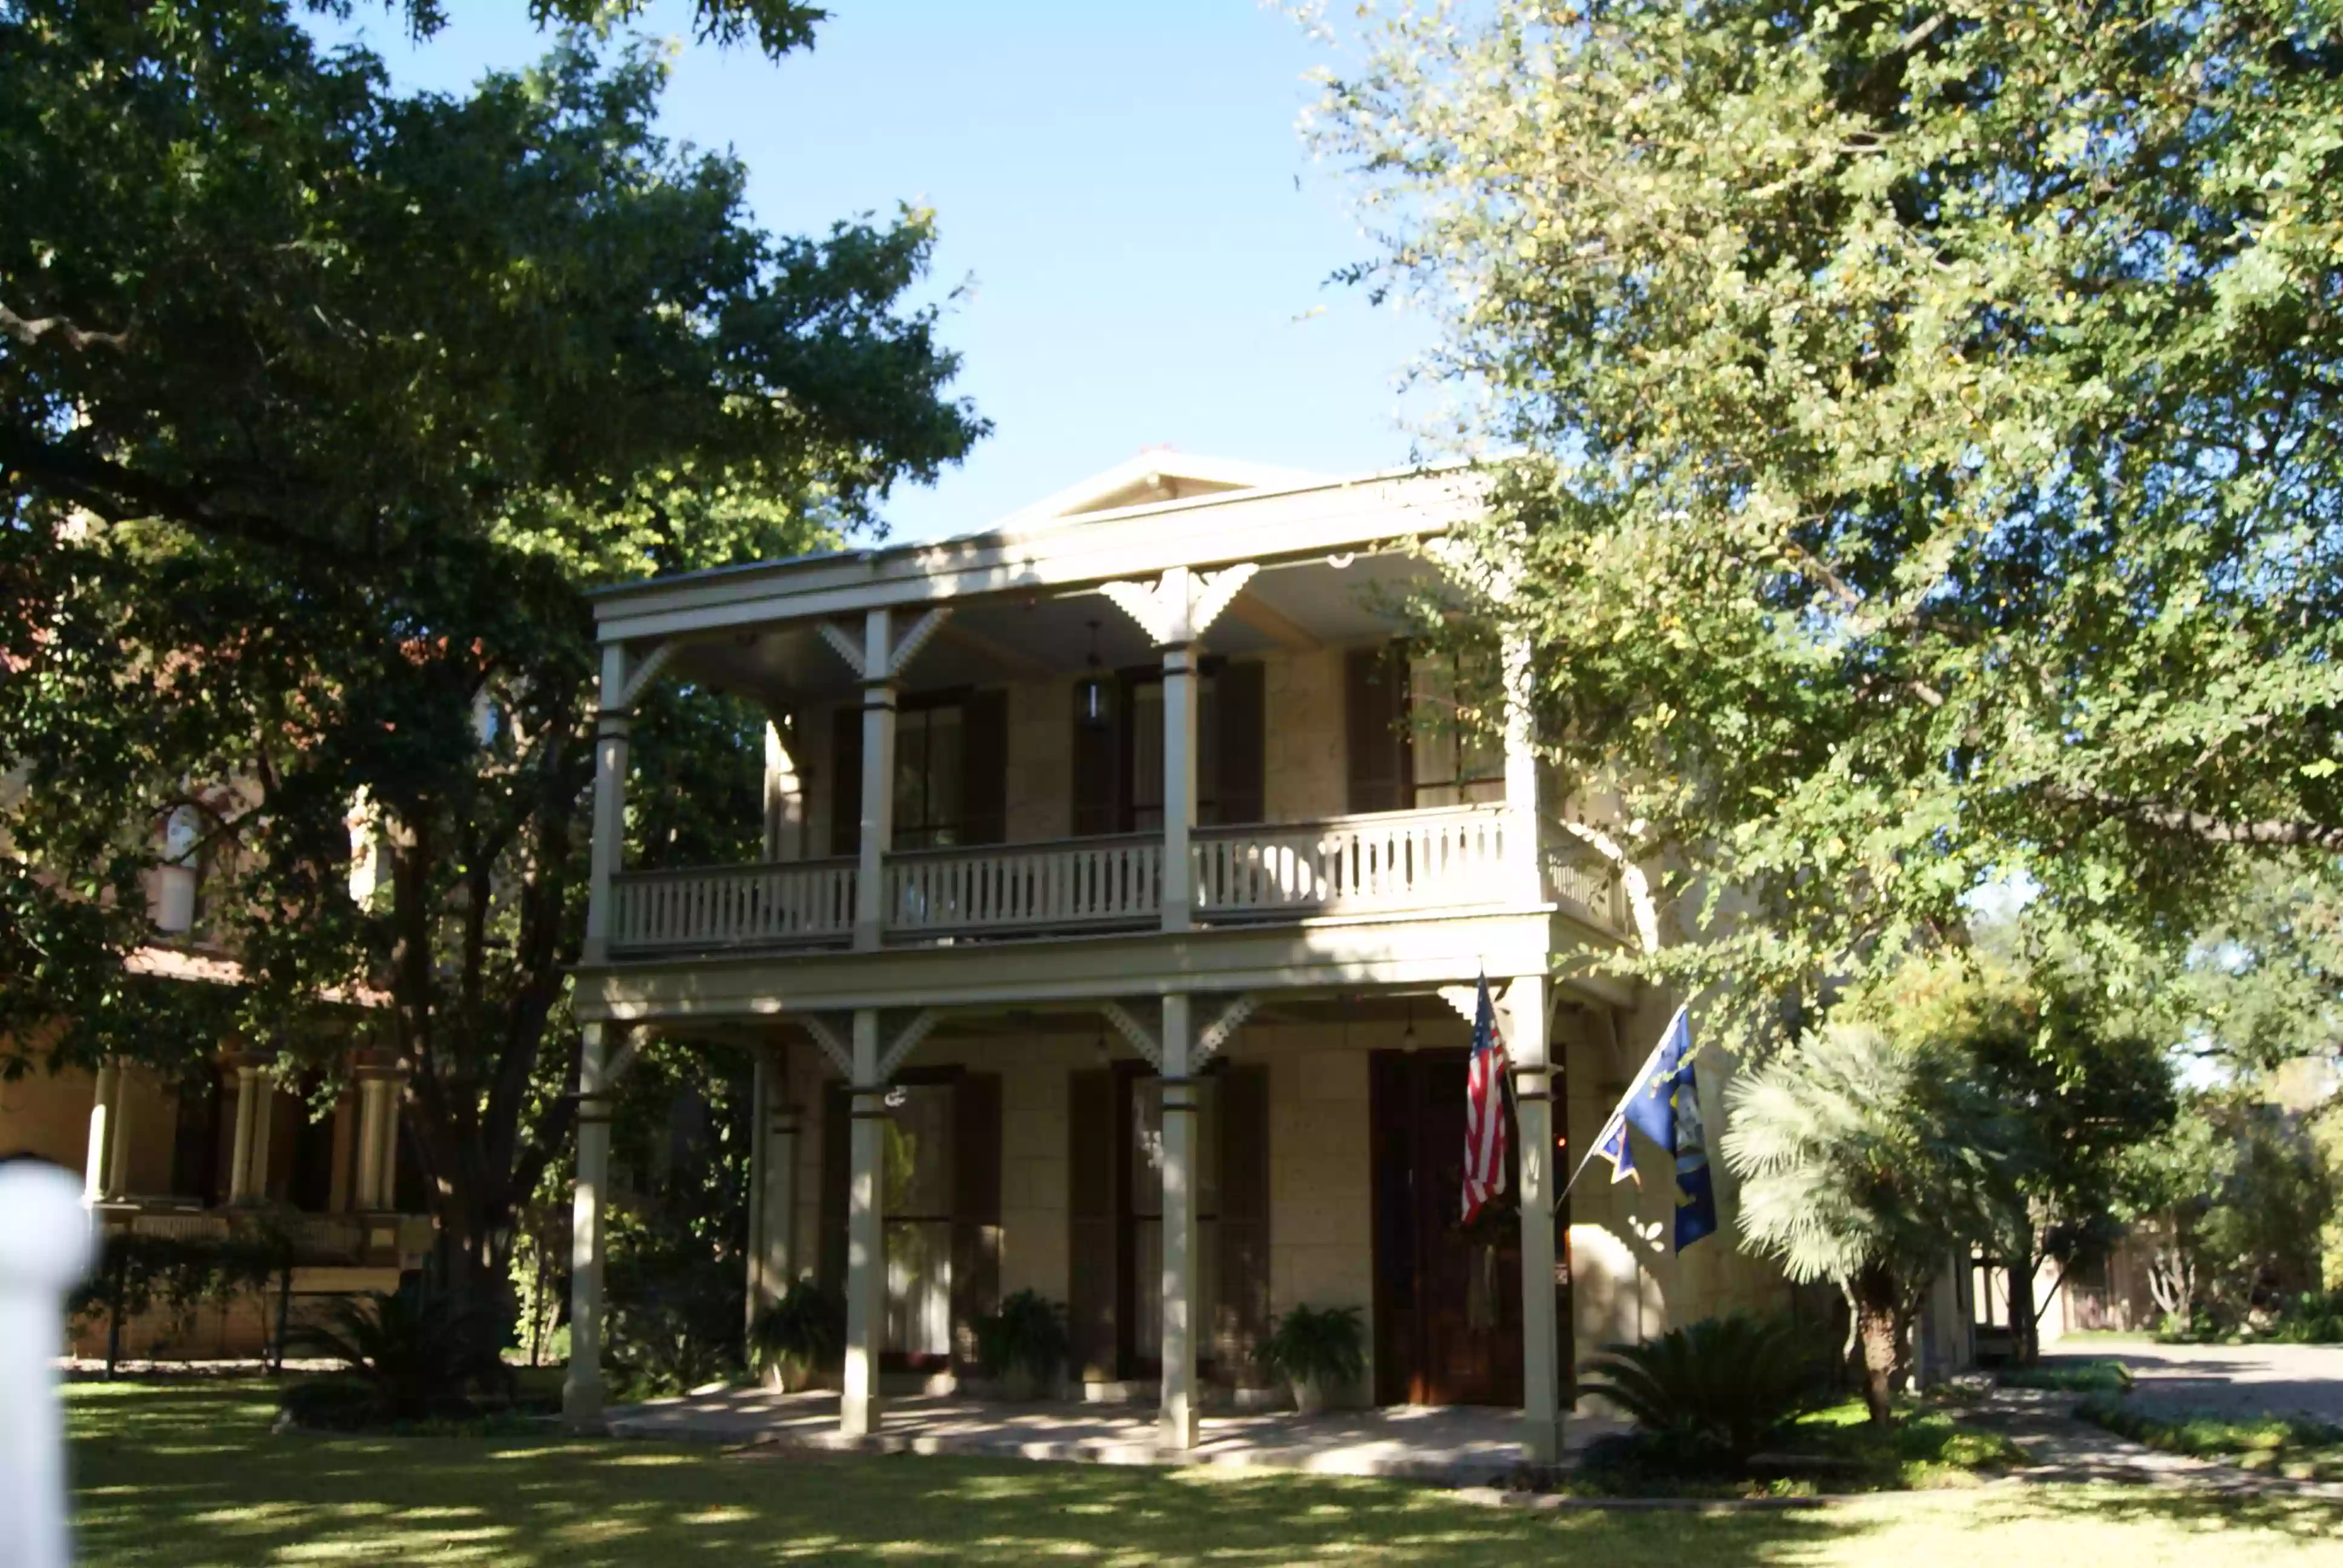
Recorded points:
(43, 1248)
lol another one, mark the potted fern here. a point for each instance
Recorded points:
(1022, 1344)
(798, 1337)
(1315, 1348)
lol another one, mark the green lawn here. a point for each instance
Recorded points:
(188, 1475)
(2302, 1450)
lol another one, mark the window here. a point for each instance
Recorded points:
(1459, 754)
(1118, 783)
(930, 770)
(918, 1209)
(1145, 708)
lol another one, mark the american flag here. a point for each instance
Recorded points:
(1485, 1109)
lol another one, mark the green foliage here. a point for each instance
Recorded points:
(1856, 1149)
(1834, 1448)
(1721, 1385)
(1323, 1345)
(1926, 464)
(320, 407)
(1028, 1334)
(2071, 1377)
(802, 1334)
(419, 1354)
(2312, 1318)
(2305, 1450)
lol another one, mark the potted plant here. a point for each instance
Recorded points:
(1022, 1344)
(1316, 1348)
(798, 1336)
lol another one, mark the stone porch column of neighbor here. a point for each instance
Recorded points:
(1179, 1421)
(371, 1091)
(117, 1137)
(105, 1092)
(241, 1153)
(866, 1233)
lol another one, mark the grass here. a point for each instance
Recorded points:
(2071, 1377)
(188, 1475)
(2304, 1449)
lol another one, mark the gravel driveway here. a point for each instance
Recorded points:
(2225, 1380)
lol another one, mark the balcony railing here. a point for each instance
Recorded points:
(1386, 862)
(796, 903)
(1389, 860)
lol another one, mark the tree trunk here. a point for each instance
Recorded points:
(1876, 1298)
(2025, 1339)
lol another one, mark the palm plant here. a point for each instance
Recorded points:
(1717, 1385)
(1866, 1162)
(1316, 1348)
(799, 1335)
(418, 1354)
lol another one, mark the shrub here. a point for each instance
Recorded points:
(1319, 1345)
(2312, 1318)
(799, 1335)
(419, 1354)
(678, 1328)
(2074, 1377)
(1720, 1386)
(1026, 1335)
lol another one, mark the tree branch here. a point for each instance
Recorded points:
(74, 338)
(2272, 833)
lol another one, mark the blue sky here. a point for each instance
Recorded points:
(1144, 239)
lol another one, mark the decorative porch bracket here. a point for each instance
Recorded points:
(1149, 1041)
(648, 670)
(1181, 606)
(1466, 1002)
(836, 1043)
(897, 658)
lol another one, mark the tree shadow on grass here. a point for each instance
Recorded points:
(191, 1477)
(2277, 1510)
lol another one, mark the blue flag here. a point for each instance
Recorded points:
(1613, 1146)
(1664, 1105)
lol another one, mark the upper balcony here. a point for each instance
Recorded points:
(1171, 701)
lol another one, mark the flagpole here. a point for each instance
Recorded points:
(1619, 1112)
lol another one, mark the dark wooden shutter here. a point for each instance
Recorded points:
(1374, 691)
(1238, 692)
(984, 767)
(846, 781)
(976, 1207)
(1241, 1318)
(1091, 1211)
(1098, 771)
(837, 1172)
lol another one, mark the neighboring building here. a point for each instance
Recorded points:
(181, 1157)
(1123, 899)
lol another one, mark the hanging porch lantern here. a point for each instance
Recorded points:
(1094, 693)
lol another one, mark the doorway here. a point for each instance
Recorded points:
(1448, 1298)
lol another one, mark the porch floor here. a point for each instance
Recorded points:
(1454, 1446)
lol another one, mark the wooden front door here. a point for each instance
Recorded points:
(1448, 1301)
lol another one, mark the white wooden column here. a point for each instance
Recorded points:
(248, 1119)
(1544, 1377)
(613, 725)
(878, 783)
(104, 1093)
(866, 1244)
(1180, 1319)
(1525, 826)
(597, 1068)
(1178, 782)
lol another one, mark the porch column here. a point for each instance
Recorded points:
(101, 1110)
(581, 1385)
(613, 727)
(877, 785)
(370, 1096)
(784, 797)
(1180, 1422)
(1525, 829)
(394, 1093)
(1544, 1379)
(1179, 777)
(263, 1129)
(866, 1240)
(248, 1121)
(117, 1137)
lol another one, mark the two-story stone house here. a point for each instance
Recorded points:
(1123, 899)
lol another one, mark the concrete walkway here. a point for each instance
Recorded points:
(1452, 1446)
(2065, 1450)
(2223, 1380)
